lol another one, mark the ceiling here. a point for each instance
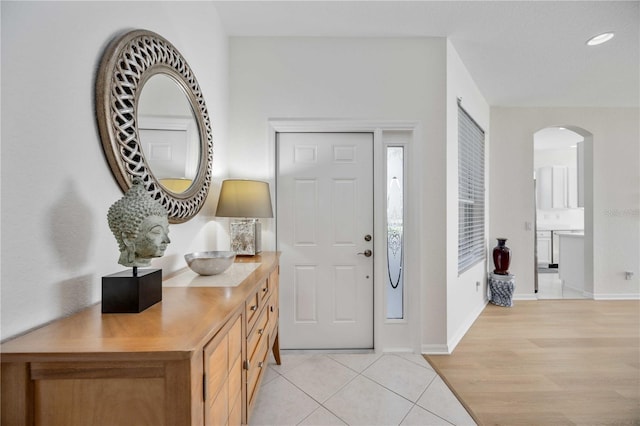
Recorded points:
(520, 53)
(553, 138)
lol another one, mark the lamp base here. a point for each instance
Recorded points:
(246, 237)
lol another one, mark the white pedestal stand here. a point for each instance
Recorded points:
(500, 289)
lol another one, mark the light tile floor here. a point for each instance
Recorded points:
(355, 389)
(550, 286)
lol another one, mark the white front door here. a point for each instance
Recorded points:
(324, 230)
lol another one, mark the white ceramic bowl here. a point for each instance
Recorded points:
(210, 262)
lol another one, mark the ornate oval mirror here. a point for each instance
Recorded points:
(154, 123)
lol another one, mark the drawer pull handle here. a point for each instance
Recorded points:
(247, 365)
(265, 289)
(260, 364)
(254, 308)
(261, 331)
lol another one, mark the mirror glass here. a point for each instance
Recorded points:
(168, 133)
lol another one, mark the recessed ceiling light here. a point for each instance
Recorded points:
(599, 39)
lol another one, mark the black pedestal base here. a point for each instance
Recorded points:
(124, 293)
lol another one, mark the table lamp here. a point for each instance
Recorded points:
(249, 200)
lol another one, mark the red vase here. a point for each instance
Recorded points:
(501, 257)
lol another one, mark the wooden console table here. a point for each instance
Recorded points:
(195, 358)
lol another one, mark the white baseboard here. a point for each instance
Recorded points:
(457, 337)
(435, 350)
(588, 295)
(530, 296)
(615, 296)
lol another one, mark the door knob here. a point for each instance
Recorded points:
(366, 253)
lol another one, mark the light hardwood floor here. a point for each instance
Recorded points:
(551, 362)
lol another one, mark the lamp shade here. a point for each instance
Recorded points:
(244, 198)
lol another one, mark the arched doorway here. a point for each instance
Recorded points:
(563, 180)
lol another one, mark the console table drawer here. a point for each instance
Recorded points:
(255, 372)
(257, 335)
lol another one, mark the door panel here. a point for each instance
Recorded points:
(324, 210)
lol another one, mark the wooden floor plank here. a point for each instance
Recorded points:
(555, 362)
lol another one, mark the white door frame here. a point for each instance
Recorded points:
(388, 335)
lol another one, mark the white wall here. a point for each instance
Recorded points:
(357, 79)
(56, 184)
(465, 299)
(612, 210)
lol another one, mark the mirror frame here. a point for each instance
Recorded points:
(128, 62)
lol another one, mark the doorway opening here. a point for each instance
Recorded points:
(560, 180)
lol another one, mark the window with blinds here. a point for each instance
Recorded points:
(471, 240)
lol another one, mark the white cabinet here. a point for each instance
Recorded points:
(556, 187)
(571, 265)
(544, 247)
(580, 175)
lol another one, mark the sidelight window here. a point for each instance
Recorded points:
(395, 228)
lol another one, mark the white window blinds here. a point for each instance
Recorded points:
(471, 240)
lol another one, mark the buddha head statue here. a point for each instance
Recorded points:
(140, 225)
